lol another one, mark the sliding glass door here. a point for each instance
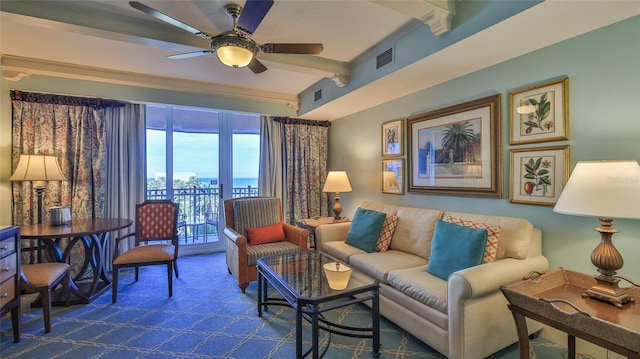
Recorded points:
(206, 156)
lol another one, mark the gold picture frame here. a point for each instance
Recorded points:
(393, 176)
(456, 150)
(393, 138)
(540, 113)
(538, 175)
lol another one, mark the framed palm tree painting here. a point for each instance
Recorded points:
(456, 150)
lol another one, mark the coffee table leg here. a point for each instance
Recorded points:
(298, 332)
(259, 293)
(315, 333)
(375, 318)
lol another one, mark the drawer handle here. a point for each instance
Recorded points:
(5, 269)
(5, 295)
(4, 247)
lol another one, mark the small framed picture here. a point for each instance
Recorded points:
(540, 113)
(538, 175)
(392, 138)
(393, 176)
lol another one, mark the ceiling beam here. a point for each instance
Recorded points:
(435, 13)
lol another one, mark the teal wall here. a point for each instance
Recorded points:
(604, 103)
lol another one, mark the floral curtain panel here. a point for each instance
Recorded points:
(73, 130)
(305, 159)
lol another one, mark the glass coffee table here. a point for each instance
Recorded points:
(300, 280)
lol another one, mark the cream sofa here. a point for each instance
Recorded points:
(464, 317)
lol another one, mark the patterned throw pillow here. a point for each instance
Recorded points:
(389, 226)
(492, 238)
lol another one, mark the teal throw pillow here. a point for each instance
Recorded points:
(455, 247)
(365, 229)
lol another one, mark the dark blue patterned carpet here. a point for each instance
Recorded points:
(208, 317)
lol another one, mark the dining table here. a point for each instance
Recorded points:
(92, 279)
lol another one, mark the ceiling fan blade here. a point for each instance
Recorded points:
(252, 14)
(168, 19)
(305, 49)
(256, 66)
(189, 54)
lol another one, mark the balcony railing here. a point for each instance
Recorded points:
(198, 218)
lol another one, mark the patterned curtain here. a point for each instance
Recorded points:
(73, 130)
(305, 158)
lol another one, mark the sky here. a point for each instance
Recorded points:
(198, 153)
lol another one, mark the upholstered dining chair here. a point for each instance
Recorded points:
(155, 242)
(255, 227)
(43, 278)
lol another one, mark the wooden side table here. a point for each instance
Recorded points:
(310, 224)
(556, 299)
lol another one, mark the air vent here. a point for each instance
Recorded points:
(384, 58)
(317, 96)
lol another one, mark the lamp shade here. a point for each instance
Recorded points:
(605, 189)
(37, 168)
(337, 181)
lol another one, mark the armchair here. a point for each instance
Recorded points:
(246, 221)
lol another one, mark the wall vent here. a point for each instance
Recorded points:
(317, 96)
(384, 58)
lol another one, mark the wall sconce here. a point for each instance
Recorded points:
(607, 190)
(337, 181)
(38, 168)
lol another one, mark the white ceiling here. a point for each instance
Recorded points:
(109, 34)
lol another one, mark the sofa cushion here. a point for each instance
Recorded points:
(341, 250)
(255, 212)
(415, 230)
(455, 247)
(493, 236)
(379, 264)
(421, 286)
(365, 229)
(384, 241)
(389, 209)
(515, 233)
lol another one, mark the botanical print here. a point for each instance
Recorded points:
(450, 151)
(538, 117)
(392, 138)
(393, 176)
(540, 113)
(537, 176)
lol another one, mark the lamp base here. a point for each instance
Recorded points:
(608, 290)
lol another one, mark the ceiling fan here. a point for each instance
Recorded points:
(235, 48)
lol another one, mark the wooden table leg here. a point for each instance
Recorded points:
(523, 338)
(571, 343)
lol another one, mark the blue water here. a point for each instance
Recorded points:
(237, 182)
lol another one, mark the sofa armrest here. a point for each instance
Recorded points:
(331, 232)
(487, 278)
(296, 235)
(235, 238)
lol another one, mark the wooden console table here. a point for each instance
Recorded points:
(555, 299)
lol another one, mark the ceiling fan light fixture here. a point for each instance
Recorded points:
(234, 51)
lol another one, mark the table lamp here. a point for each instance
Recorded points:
(607, 190)
(337, 181)
(38, 168)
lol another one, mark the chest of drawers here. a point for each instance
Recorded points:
(10, 276)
